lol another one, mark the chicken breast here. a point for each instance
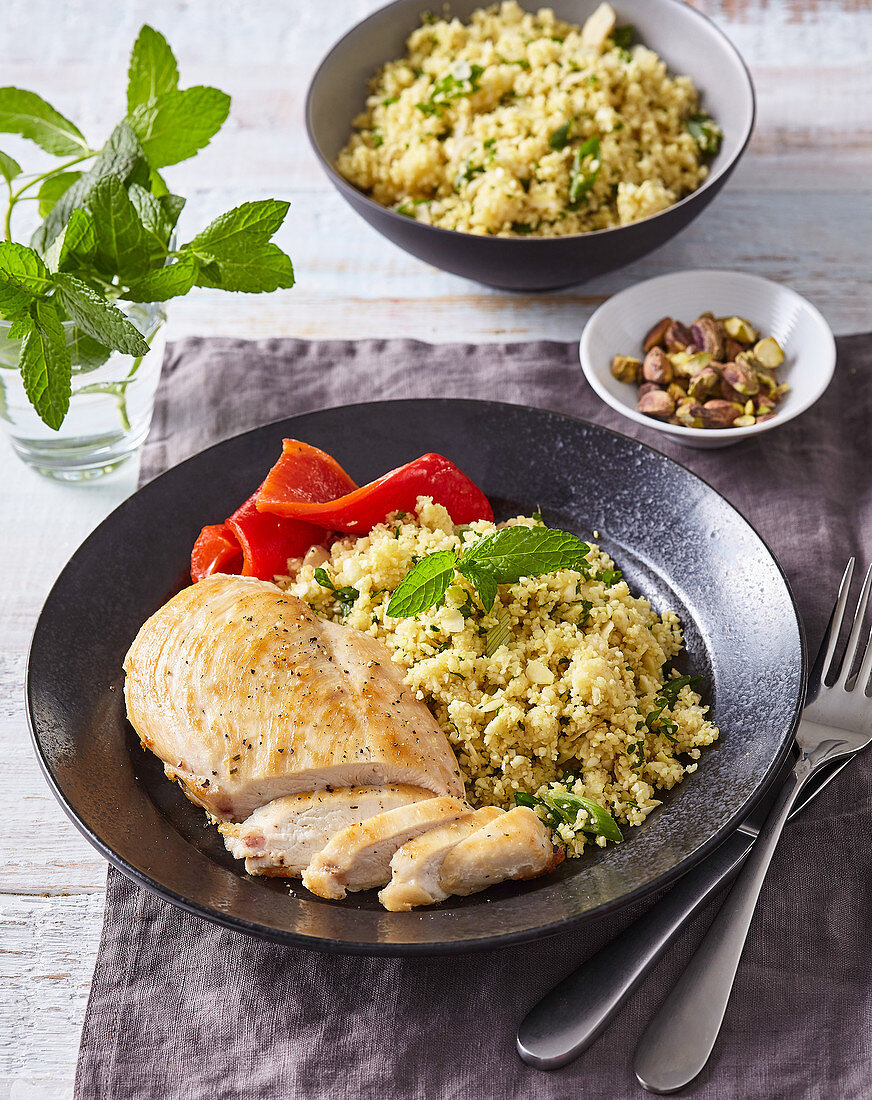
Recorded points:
(247, 696)
(281, 837)
(359, 857)
(516, 845)
(415, 867)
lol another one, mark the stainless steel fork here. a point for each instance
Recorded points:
(836, 723)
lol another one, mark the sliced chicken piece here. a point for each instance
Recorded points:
(415, 867)
(359, 857)
(514, 846)
(281, 837)
(247, 696)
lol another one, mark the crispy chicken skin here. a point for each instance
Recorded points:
(281, 837)
(247, 696)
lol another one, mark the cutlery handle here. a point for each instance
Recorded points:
(568, 1019)
(680, 1037)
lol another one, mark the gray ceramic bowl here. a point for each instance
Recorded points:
(689, 43)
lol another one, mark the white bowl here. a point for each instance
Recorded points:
(619, 326)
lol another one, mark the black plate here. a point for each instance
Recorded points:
(677, 541)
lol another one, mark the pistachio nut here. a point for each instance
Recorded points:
(709, 335)
(676, 391)
(647, 387)
(749, 408)
(763, 404)
(677, 337)
(741, 377)
(740, 329)
(656, 367)
(732, 350)
(729, 394)
(657, 403)
(717, 414)
(686, 365)
(744, 421)
(626, 369)
(703, 383)
(768, 352)
(765, 416)
(685, 415)
(654, 337)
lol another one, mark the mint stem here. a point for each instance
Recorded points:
(15, 196)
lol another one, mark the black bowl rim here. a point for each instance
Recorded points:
(347, 188)
(441, 947)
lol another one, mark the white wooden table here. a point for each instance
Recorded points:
(797, 210)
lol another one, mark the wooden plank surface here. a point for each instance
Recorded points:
(796, 210)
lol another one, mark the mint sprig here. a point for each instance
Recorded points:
(107, 229)
(565, 808)
(503, 557)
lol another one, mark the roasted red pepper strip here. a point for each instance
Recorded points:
(216, 550)
(305, 473)
(258, 544)
(430, 475)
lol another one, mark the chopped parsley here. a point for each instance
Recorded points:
(464, 81)
(705, 132)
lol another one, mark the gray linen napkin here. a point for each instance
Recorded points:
(183, 1009)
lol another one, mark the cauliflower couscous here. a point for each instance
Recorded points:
(518, 123)
(560, 688)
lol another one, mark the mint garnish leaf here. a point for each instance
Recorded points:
(86, 353)
(29, 115)
(424, 585)
(515, 552)
(98, 317)
(76, 243)
(153, 69)
(483, 580)
(178, 124)
(586, 165)
(564, 809)
(9, 167)
(45, 364)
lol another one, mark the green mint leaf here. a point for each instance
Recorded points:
(75, 244)
(45, 364)
(323, 578)
(623, 36)
(586, 165)
(9, 168)
(483, 579)
(560, 137)
(52, 188)
(261, 268)
(122, 246)
(153, 69)
(86, 353)
(424, 585)
(98, 318)
(23, 269)
(170, 281)
(230, 235)
(29, 115)
(154, 221)
(599, 821)
(498, 634)
(462, 81)
(177, 124)
(515, 552)
(172, 206)
(121, 156)
(609, 576)
(20, 327)
(706, 133)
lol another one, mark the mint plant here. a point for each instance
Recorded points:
(108, 225)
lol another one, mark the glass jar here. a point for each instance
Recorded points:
(110, 407)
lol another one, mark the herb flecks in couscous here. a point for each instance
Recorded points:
(518, 123)
(559, 689)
